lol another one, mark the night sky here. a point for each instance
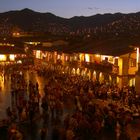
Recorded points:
(70, 8)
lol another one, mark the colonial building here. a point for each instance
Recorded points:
(116, 65)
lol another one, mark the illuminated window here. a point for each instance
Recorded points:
(2, 57)
(81, 57)
(87, 58)
(12, 57)
(58, 56)
(132, 62)
(66, 58)
(38, 55)
(97, 55)
(132, 82)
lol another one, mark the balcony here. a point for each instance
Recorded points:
(102, 67)
(73, 64)
(107, 68)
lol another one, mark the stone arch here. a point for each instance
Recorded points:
(78, 71)
(88, 73)
(132, 81)
(94, 76)
(73, 71)
(101, 77)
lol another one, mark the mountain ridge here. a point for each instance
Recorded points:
(27, 20)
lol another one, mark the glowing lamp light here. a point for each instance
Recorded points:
(16, 33)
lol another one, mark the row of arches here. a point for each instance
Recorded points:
(91, 74)
(94, 75)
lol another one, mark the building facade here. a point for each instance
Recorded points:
(118, 70)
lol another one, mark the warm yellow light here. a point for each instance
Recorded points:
(87, 58)
(78, 71)
(58, 56)
(100, 75)
(138, 55)
(97, 55)
(73, 70)
(81, 57)
(16, 33)
(2, 57)
(6, 44)
(38, 54)
(12, 57)
(94, 75)
(104, 57)
(31, 43)
(19, 61)
(66, 58)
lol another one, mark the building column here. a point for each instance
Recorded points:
(97, 75)
(137, 83)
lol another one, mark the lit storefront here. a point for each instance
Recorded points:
(10, 53)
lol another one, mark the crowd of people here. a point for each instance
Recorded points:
(96, 108)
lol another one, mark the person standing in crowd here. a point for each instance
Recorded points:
(43, 133)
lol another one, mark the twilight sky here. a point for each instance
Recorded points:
(70, 8)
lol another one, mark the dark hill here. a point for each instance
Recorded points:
(98, 26)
